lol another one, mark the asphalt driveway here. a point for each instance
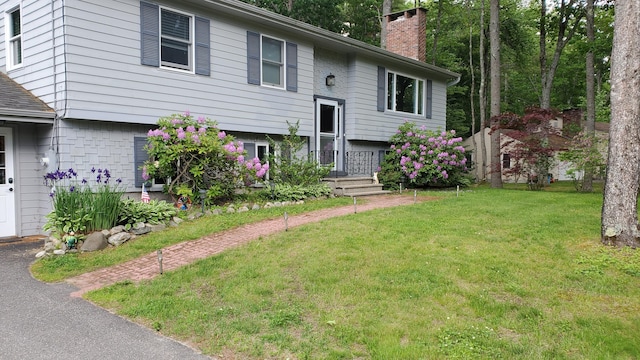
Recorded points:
(42, 321)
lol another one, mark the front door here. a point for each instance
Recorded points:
(7, 185)
(328, 127)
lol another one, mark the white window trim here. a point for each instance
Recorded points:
(394, 101)
(282, 86)
(265, 144)
(192, 34)
(9, 40)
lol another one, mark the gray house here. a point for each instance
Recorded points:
(84, 80)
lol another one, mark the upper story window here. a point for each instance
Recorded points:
(13, 24)
(176, 49)
(272, 62)
(405, 94)
(173, 39)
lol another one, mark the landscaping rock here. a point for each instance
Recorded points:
(177, 220)
(157, 227)
(59, 252)
(119, 238)
(140, 228)
(94, 242)
(277, 204)
(255, 207)
(106, 233)
(49, 247)
(116, 229)
(243, 209)
(230, 210)
(41, 254)
(217, 212)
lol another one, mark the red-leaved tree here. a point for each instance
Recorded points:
(528, 141)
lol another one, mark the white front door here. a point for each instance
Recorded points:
(7, 185)
(328, 127)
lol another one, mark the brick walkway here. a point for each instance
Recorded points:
(175, 256)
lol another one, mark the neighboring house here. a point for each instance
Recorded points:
(557, 142)
(110, 69)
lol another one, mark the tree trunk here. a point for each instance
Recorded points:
(472, 92)
(483, 95)
(386, 9)
(548, 72)
(619, 209)
(436, 33)
(590, 124)
(494, 34)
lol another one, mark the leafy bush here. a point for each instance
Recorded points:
(289, 168)
(288, 192)
(196, 155)
(153, 212)
(424, 158)
(82, 206)
(585, 155)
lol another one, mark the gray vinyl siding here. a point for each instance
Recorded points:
(32, 197)
(363, 121)
(37, 71)
(100, 144)
(107, 81)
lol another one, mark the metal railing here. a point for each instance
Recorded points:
(359, 163)
(356, 163)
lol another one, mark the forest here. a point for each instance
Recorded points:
(543, 48)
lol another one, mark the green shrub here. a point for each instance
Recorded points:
(288, 167)
(153, 212)
(288, 192)
(82, 206)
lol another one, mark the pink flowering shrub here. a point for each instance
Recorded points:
(424, 158)
(196, 155)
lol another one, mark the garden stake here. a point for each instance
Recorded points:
(160, 260)
(415, 195)
(355, 208)
(400, 188)
(457, 190)
(286, 223)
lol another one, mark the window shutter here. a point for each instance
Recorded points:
(251, 150)
(253, 58)
(381, 88)
(149, 34)
(381, 155)
(292, 67)
(139, 157)
(203, 59)
(429, 106)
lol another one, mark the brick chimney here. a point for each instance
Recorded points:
(407, 33)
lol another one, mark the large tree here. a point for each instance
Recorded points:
(590, 124)
(619, 209)
(567, 20)
(494, 35)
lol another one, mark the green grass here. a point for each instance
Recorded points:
(490, 274)
(54, 269)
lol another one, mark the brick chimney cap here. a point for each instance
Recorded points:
(407, 13)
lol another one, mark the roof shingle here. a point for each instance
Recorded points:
(14, 96)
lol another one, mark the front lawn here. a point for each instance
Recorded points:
(58, 268)
(489, 274)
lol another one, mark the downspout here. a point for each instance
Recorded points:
(52, 154)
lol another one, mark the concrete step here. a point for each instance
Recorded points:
(349, 190)
(343, 181)
(368, 193)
